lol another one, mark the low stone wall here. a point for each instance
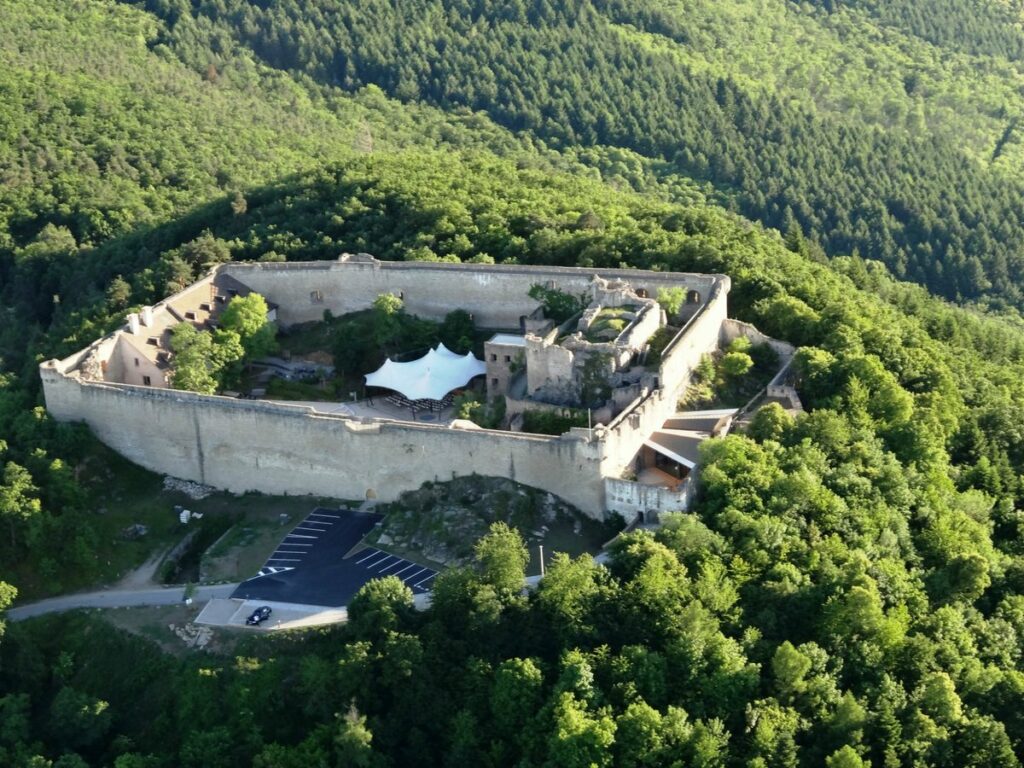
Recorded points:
(732, 328)
(785, 392)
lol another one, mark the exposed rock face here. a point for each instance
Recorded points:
(192, 635)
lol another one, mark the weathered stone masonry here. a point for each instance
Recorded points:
(272, 447)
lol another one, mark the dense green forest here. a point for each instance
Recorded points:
(849, 588)
(820, 120)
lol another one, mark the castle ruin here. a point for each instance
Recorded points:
(119, 385)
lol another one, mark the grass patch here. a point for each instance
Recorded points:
(282, 389)
(243, 550)
(554, 422)
(660, 339)
(88, 548)
(609, 324)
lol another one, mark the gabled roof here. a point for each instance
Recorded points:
(199, 304)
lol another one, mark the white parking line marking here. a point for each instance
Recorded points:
(295, 544)
(410, 565)
(381, 562)
(373, 552)
(393, 565)
(413, 576)
(301, 536)
(324, 514)
(307, 528)
(319, 522)
(282, 559)
(420, 584)
(385, 557)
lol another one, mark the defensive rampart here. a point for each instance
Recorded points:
(496, 295)
(243, 445)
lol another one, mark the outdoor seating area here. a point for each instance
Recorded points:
(423, 404)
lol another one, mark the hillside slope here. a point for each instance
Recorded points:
(849, 588)
(855, 125)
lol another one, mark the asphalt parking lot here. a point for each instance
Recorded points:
(379, 563)
(309, 565)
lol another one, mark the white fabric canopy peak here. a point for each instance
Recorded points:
(431, 377)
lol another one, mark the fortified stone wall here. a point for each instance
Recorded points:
(701, 334)
(640, 331)
(496, 295)
(244, 445)
(624, 436)
(274, 448)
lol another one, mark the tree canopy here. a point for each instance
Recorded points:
(848, 587)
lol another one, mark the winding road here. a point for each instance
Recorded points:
(117, 598)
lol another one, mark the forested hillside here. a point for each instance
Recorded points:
(849, 588)
(891, 129)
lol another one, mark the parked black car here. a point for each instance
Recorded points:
(258, 616)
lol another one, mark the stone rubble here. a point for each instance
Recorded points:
(193, 636)
(194, 491)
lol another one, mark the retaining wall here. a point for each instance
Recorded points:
(732, 328)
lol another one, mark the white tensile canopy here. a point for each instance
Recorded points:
(431, 377)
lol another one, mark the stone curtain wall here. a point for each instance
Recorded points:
(247, 445)
(243, 445)
(626, 434)
(496, 295)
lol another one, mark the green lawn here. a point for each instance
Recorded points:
(609, 323)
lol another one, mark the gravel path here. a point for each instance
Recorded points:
(117, 598)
